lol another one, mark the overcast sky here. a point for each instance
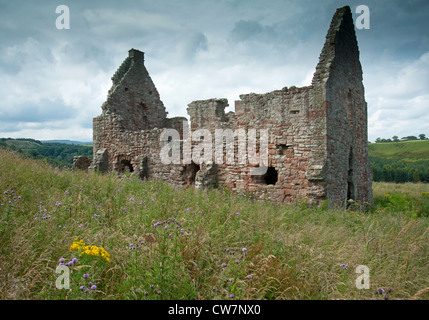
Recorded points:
(53, 81)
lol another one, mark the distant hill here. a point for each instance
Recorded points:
(67, 142)
(55, 152)
(406, 151)
(406, 161)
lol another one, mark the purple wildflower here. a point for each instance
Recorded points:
(86, 275)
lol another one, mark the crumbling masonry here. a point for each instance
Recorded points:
(317, 144)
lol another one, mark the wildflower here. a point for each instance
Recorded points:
(188, 210)
(223, 265)
(166, 227)
(131, 199)
(62, 260)
(249, 276)
(244, 249)
(132, 246)
(281, 239)
(379, 291)
(237, 213)
(182, 230)
(74, 260)
(157, 224)
(93, 287)
(151, 286)
(231, 280)
(66, 192)
(86, 275)
(231, 295)
(82, 288)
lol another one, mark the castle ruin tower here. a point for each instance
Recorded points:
(338, 78)
(133, 104)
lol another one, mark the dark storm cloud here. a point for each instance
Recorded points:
(197, 49)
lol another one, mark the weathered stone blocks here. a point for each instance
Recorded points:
(317, 135)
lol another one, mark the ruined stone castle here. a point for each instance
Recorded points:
(317, 135)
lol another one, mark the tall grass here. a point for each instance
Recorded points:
(169, 242)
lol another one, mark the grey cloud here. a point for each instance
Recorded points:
(192, 44)
(23, 55)
(249, 29)
(42, 111)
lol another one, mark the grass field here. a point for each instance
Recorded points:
(407, 151)
(134, 239)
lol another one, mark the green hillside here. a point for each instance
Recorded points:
(406, 151)
(406, 161)
(57, 154)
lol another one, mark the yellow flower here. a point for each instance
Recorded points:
(387, 195)
(80, 246)
(77, 244)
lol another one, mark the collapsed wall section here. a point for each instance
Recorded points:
(293, 126)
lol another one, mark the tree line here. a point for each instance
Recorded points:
(387, 170)
(422, 136)
(57, 154)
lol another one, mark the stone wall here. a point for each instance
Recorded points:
(317, 135)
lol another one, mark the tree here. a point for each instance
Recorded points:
(410, 138)
(416, 177)
(422, 136)
(395, 139)
(378, 140)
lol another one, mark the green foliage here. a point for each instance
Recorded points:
(400, 161)
(388, 170)
(57, 154)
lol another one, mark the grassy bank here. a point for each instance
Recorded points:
(138, 239)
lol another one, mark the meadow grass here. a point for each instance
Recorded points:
(168, 242)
